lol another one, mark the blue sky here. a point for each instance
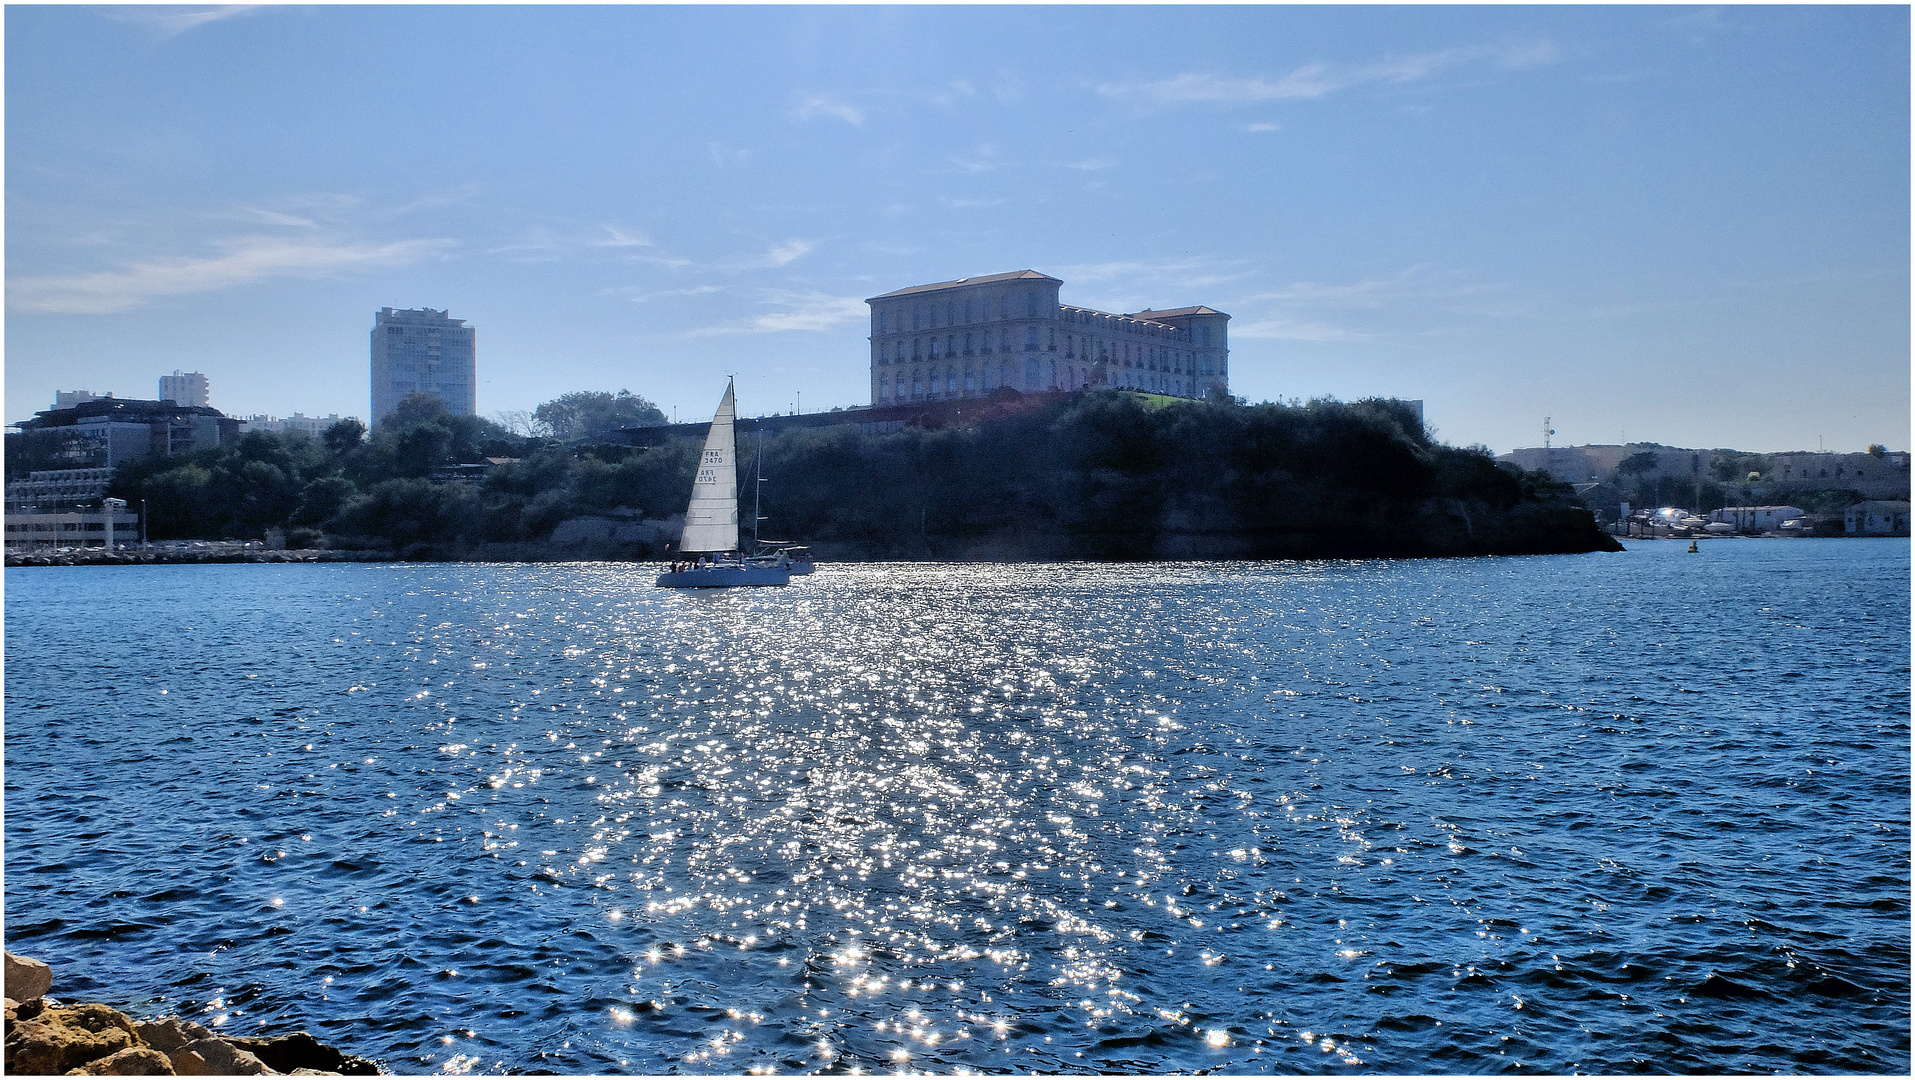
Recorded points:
(1685, 225)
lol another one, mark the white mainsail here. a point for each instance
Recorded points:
(711, 521)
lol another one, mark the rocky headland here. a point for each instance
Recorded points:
(47, 1038)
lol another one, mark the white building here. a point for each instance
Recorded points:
(1756, 518)
(315, 426)
(422, 350)
(1876, 518)
(189, 388)
(972, 336)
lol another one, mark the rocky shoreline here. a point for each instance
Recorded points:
(47, 1038)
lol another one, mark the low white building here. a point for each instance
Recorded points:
(1756, 519)
(71, 529)
(1876, 518)
(314, 426)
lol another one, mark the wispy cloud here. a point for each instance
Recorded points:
(619, 238)
(241, 261)
(1092, 164)
(1410, 301)
(166, 20)
(983, 159)
(639, 297)
(1318, 80)
(727, 157)
(1154, 275)
(788, 252)
(954, 92)
(1262, 126)
(800, 311)
(812, 106)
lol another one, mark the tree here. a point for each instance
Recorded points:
(587, 412)
(1877, 450)
(521, 423)
(1641, 462)
(345, 435)
(415, 408)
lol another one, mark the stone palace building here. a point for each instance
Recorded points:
(969, 337)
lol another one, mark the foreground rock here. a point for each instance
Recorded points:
(45, 1038)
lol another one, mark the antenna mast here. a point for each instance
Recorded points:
(1547, 432)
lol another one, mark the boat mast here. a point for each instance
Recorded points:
(758, 488)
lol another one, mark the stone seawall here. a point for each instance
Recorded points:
(47, 1038)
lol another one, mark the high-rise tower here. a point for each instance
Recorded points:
(421, 350)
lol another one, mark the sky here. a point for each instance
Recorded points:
(1669, 224)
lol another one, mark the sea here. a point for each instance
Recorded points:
(1626, 812)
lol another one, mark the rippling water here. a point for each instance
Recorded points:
(1635, 812)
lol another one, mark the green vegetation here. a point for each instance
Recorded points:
(584, 413)
(1102, 475)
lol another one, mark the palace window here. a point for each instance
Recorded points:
(917, 318)
(884, 386)
(934, 346)
(917, 348)
(970, 379)
(917, 385)
(1030, 305)
(950, 380)
(1030, 339)
(884, 354)
(1030, 375)
(967, 344)
(950, 313)
(1004, 373)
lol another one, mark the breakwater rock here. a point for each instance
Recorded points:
(211, 553)
(47, 1038)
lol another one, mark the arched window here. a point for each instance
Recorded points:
(1004, 374)
(884, 386)
(917, 318)
(970, 380)
(917, 384)
(917, 348)
(950, 380)
(950, 313)
(967, 311)
(1030, 339)
(884, 354)
(967, 344)
(1030, 374)
(950, 344)
(884, 322)
(934, 346)
(1004, 340)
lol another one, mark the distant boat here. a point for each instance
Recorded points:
(711, 520)
(793, 557)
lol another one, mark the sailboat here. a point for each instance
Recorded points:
(711, 521)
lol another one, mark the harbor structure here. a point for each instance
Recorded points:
(420, 350)
(972, 337)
